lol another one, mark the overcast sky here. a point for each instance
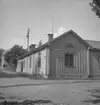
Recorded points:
(16, 16)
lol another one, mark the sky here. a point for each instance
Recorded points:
(16, 16)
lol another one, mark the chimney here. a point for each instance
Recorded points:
(32, 47)
(40, 43)
(50, 37)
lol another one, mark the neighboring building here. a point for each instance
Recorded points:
(66, 56)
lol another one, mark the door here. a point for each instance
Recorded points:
(22, 66)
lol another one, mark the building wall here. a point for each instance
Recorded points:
(33, 64)
(42, 68)
(18, 69)
(57, 55)
(48, 61)
(95, 63)
(25, 65)
(19, 65)
(33, 68)
(27, 68)
(43, 62)
(30, 65)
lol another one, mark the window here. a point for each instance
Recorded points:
(70, 45)
(69, 60)
(24, 64)
(30, 62)
(39, 61)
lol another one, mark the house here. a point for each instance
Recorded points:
(66, 56)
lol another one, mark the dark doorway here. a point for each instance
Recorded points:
(22, 66)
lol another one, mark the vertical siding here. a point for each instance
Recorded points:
(43, 62)
(25, 68)
(47, 61)
(30, 68)
(95, 64)
(26, 64)
(35, 69)
(35, 63)
(80, 65)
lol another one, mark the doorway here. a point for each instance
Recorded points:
(21, 66)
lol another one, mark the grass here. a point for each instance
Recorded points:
(21, 75)
(7, 75)
(94, 93)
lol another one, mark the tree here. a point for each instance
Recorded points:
(12, 55)
(1, 52)
(95, 6)
(7, 57)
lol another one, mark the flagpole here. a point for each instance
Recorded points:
(52, 24)
(28, 39)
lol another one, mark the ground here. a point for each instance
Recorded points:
(28, 91)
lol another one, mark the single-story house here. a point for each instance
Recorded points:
(67, 55)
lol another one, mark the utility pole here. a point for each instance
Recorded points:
(27, 46)
(28, 39)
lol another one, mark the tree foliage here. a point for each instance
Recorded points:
(1, 52)
(12, 55)
(95, 6)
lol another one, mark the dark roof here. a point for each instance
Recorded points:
(94, 44)
(86, 42)
(34, 51)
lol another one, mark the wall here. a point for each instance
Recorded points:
(47, 61)
(94, 63)
(31, 69)
(42, 69)
(25, 68)
(57, 52)
(34, 69)
(43, 62)
(18, 69)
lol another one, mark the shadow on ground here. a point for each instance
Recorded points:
(28, 102)
(5, 101)
(11, 75)
(95, 93)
